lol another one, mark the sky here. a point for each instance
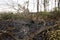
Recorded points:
(32, 5)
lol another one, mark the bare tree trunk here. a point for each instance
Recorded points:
(48, 5)
(59, 5)
(37, 6)
(27, 5)
(37, 10)
(55, 4)
(44, 5)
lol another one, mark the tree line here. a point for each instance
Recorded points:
(25, 7)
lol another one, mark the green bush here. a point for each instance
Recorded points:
(7, 16)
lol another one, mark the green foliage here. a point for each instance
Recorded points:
(44, 14)
(8, 16)
(56, 12)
